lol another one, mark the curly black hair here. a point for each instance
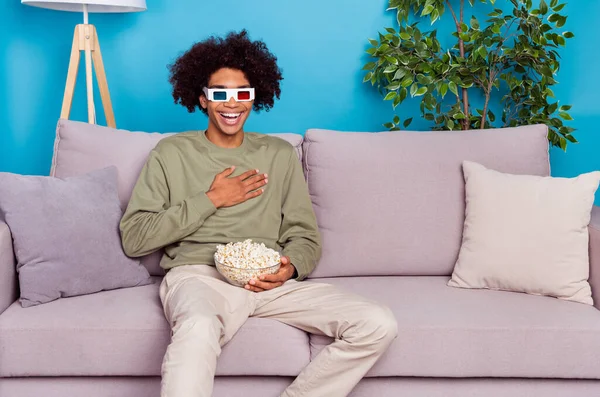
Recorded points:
(192, 70)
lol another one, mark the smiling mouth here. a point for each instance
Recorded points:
(230, 118)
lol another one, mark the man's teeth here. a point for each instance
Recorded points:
(231, 115)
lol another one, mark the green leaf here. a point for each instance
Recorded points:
(396, 119)
(427, 10)
(458, 116)
(571, 138)
(373, 42)
(390, 69)
(482, 52)
(561, 22)
(407, 81)
(396, 102)
(425, 80)
(561, 40)
(405, 36)
(543, 7)
(559, 7)
(568, 35)
(413, 90)
(367, 77)
(407, 122)
(553, 3)
(546, 71)
(390, 95)
(399, 74)
(565, 116)
(450, 124)
(444, 89)
(403, 94)
(452, 86)
(421, 91)
(474, 23)
(369, 66)
(388, 125)
(562, 143)
(496, 29)
(565, 108)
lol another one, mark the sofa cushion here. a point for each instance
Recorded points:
(451, 332)
(82, 147)
(392, 203)
(124, 333)
(526, 233)
(594, 230)
(66, 235)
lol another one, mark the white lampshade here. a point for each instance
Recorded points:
(93, 5)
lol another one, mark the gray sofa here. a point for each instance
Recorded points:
(390, 207)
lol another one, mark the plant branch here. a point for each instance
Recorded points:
(461, 46)
(488, 93)
(453, 14)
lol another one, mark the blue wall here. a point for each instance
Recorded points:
(320, 46)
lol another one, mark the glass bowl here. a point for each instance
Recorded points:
(241, 277)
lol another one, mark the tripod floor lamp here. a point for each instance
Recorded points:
(86, 39)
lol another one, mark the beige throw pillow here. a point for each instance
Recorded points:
(526, 233)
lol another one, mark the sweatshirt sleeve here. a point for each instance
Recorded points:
(299, 234)
(150, 222)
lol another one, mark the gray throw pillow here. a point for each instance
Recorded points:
(66, 235)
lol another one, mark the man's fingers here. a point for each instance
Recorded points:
(272, 278)
(255, 193)
(255, 178)
(227, 171)
(247, 174)
(265, 285)
(256, 185)
(253, 288)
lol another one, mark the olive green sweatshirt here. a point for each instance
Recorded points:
(169, 207)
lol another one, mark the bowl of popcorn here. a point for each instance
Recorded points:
(245, 260)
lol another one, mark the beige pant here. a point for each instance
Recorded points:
(205, 312)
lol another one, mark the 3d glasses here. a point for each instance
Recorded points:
(225, 94)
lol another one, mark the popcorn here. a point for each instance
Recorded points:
(245, 260)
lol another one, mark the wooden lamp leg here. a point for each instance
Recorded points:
(71, 76)
(88, 42)
(86, 39)
(102, 83)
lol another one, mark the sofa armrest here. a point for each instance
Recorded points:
(594, 229)
(8, 269)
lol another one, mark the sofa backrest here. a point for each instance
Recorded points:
(82, 147)
(392, 203)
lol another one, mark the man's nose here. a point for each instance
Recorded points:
(232, 102)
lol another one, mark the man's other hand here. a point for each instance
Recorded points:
(270, 281)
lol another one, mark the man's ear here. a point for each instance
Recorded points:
(203, 101)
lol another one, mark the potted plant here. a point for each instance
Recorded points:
(511, 59)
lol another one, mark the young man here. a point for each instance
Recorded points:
(199, 189)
